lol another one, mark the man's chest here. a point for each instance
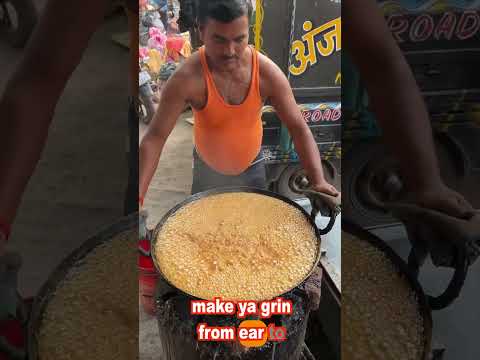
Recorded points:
(232, 91)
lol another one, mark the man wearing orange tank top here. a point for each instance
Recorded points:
(226, 83)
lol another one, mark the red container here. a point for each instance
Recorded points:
(147, 278)
(147, 283)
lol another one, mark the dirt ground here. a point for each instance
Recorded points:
(170, 185)
(173, 179)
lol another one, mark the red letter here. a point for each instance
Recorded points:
(317, 115)
(327, 114)
(466, 30)
(306, 115)
(337, 113)
(422, 28)
(446, 26)
(397, 24)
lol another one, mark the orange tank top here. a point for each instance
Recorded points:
(228, 137)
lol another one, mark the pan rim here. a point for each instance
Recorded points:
(226, 190)
(59, 273)
(424, 308)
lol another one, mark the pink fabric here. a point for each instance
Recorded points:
(143, 52)
(157, 39)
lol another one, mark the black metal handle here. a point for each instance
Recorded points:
(300, 184)
(456, 283)
(332, 215)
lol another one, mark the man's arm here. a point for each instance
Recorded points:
(173, 100)
(397, 104)
(28, 103)
(393, 92)
(280, 94)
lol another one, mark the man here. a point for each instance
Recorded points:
(226, 83)
(32, 92)
(26, 111)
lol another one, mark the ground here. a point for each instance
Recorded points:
(170, 185)
(173, 179)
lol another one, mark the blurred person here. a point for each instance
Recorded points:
(51, 56)
(27, 108)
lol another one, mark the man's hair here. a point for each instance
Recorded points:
(223, 10)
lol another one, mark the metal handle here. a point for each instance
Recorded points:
(332, 215)
(455, 247)
(300, 184)
(456, 283)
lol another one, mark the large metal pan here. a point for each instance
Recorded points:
(423, 305)
(224, 190)
(58, 275)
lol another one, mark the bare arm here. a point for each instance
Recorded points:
(398, 105)
(281, 97)
(28, 104)
(394, 94)
(172, 102)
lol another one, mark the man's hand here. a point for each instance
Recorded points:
(443, 199)
(326, 188)
(438, 221)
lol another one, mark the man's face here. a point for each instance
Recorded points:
(225, 43)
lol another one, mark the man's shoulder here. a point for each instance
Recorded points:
(263, 60)
(189, 72)
(188, 77)
(190, 69)
(270, 75)
(268, 69)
